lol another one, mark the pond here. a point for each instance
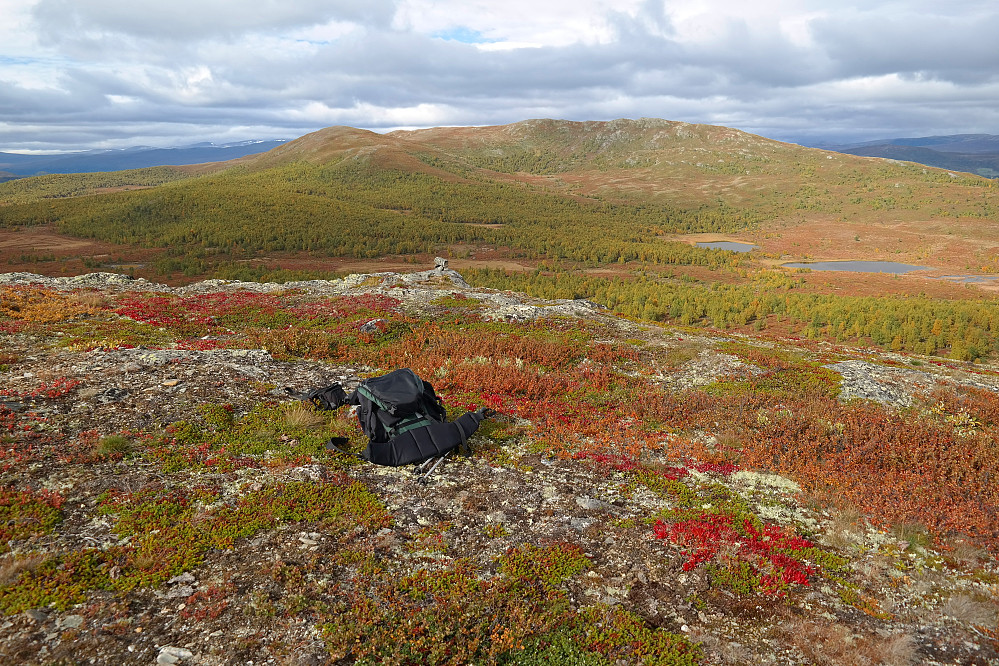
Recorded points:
(970, 278)
(858, 266)
(728, 245)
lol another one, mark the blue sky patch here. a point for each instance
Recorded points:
(463, 35)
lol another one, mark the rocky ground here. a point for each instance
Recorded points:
(237, 604)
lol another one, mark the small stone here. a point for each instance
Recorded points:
(131, 367)
(590, 503)
(373, 326)
(70, 622)
(171, 382)
(113, 394)
(309, 660)
(173, 655)
(36, 614)
(185, 578)
(179, 592)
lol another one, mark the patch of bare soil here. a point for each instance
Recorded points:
(882, 284)
(46, 251)
(43, 239)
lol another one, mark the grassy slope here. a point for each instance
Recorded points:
(649, 163)
(614, 196)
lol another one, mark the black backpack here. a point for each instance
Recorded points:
(404, 419)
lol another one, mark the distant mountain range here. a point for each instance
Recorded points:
(15, 165)
(973, 153)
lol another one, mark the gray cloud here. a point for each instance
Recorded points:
(184, 20)
(118, 73)
(962, 49)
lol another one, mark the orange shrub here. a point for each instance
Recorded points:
(39, 305)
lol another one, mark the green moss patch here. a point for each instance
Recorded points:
(165, 532)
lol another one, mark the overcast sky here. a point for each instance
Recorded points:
(80, 74)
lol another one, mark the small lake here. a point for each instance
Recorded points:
(728, 245)
(858, 266)
(969, 278)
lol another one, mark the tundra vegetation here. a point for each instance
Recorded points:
(761, 512)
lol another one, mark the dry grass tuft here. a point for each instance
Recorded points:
(900, 650)
(729, 439)
(966, 552)
(828, 644)
(678, 355)
(299, 415)
(846, 529)
(88, 299)
(11, 567)
(964, 608)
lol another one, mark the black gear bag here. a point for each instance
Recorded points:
(406, 423)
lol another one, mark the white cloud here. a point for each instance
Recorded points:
(16, 34)
(370, 115)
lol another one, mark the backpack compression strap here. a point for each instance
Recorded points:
(419, 443)
(331, 397)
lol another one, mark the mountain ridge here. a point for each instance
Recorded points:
(973, 153)
(135, 157)
(955, 143)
